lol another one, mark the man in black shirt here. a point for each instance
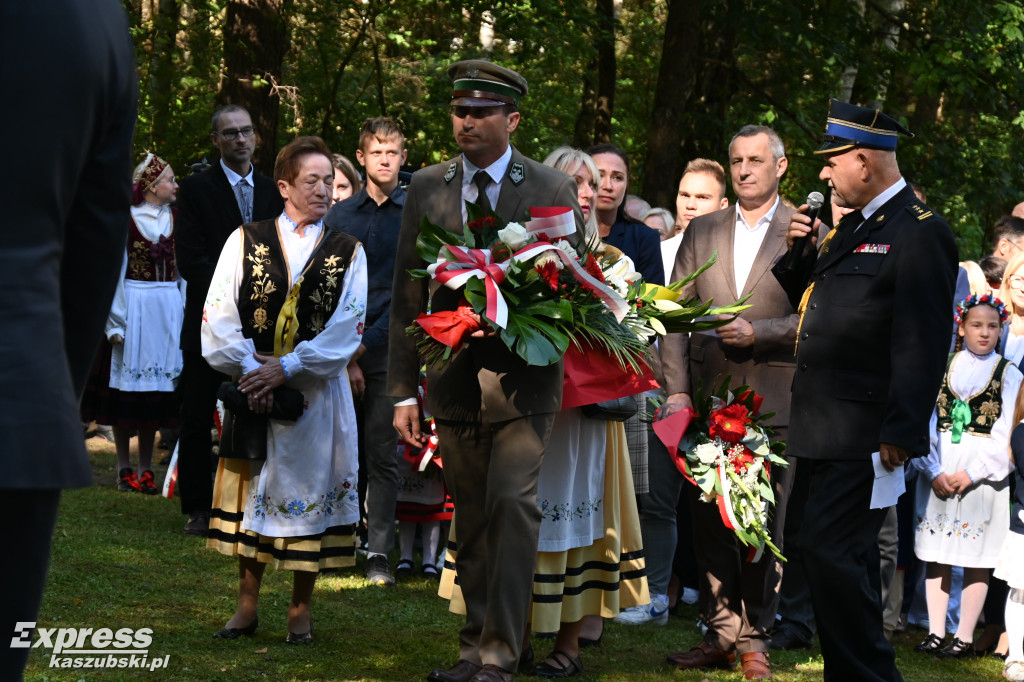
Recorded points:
(374, 217)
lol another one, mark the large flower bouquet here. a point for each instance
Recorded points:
(723, 446)
(541, 294)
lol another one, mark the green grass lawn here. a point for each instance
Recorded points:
(121, 560)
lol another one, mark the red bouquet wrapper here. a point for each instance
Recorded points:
(449, 327)
(596, 376)
(670, 431)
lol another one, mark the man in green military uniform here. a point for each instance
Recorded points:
(493, 412)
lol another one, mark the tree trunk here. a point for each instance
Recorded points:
(255, 43)
(161, 74)
(583, 135)
(849, 77)
(707, 108)
(888, 37)
(606, 71)
(662, 165)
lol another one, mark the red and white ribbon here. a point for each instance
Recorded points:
(468, 263)
(728, 514)
(553, 221)
(461, 263)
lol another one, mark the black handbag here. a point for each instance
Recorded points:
(243, 432)
(615, 410)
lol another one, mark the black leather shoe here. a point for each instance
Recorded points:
(463, 671)
(300, 637)
(957, 649)
(234, 633)
(787, 640)
(492, 673)
(932, 644)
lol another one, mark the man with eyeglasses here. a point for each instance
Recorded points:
(211, 205)
(1007, 237)
(492, 411)
(374, 217)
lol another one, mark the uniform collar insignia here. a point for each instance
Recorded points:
(449, 174)
(516, 173)
(880, 218)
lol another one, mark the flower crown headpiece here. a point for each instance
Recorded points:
(987, 299)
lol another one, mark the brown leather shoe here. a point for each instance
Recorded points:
(492, 673)
(462, 671)
(756, 666)
(703, 655)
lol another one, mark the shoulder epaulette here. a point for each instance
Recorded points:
(919, 211)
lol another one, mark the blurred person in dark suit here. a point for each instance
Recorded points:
(66, 201)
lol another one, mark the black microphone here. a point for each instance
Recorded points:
(814, 202)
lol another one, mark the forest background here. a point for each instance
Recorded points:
(666, 80)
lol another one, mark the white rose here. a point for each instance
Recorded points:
(707, 453)
(514, 235)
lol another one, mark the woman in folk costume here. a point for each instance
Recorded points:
(590, 559)
(286, 308)
(133, 389)
(963, 509)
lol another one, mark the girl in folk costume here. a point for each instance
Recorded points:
(1011, 560)
(423, 500)
(285, 311)
(139, 368)
(963, 495)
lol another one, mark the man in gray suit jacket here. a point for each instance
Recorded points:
(738, 598)
(66, 194)
(492, 411)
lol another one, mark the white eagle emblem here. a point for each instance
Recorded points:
(517, 173)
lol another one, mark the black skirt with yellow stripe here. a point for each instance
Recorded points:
(333, 548)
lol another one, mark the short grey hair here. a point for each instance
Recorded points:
(774, 141)
(666, 217)
(226, 109)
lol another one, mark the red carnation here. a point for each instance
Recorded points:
(549, 273)
(593, 268)
(481, 224)
(730, 423)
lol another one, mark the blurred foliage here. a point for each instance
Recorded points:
(952, 71)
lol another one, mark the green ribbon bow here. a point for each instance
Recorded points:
(961, 416)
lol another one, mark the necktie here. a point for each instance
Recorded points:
(243, 195)
(844, 230)
(851, 221)
(482, 180)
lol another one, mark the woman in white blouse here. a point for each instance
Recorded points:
(286, 308)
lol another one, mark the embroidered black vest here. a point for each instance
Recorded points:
(985, 405)
(149, 261)
(277, 316)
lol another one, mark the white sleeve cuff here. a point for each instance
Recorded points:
(249, 364)
(290, 365)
